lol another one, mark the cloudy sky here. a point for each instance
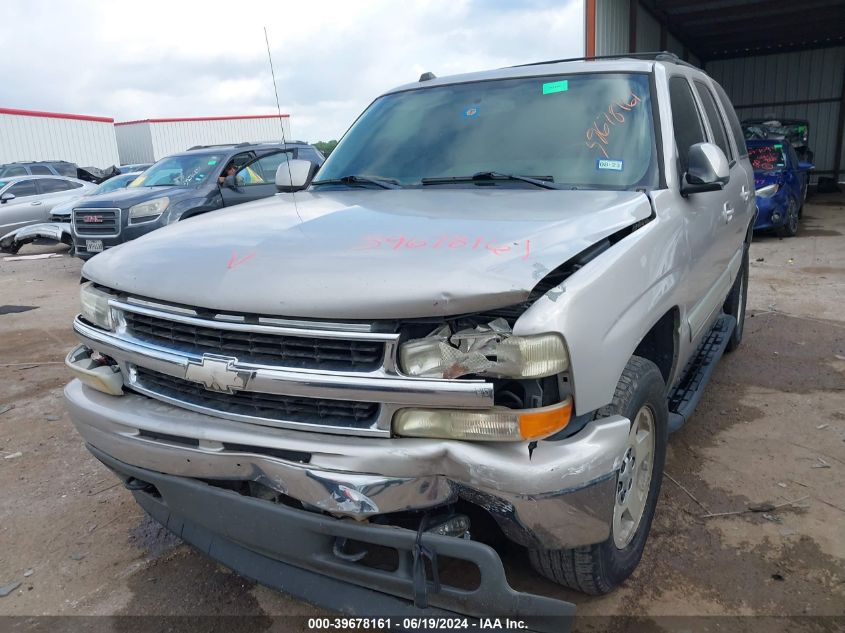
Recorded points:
(136, 60)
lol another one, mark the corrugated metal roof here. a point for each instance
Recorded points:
(734, 28)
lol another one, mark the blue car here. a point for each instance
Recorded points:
(780, 180)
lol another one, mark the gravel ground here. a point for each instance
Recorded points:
(770, 428)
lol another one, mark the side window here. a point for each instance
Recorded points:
(309, 153)
(263, 170)
(17, 170)
(40, 170)
(733, 121)
(685, 119)
(23, 189)
(711, 110)
(53, 185)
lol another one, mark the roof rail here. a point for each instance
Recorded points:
(659, 56)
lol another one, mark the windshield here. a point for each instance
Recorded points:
(767, 157)
(114, 183)
(585, 130)
(189, 170)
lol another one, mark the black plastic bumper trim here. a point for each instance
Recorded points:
(291, 550)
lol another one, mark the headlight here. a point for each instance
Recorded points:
(95, 306)
(149, 210)
(488, 350)
(495, 425)
(768, 191)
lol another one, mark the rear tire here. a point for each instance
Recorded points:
(597, 569)
(736, 301)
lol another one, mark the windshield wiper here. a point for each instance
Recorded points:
(546, 182)
(384, 183)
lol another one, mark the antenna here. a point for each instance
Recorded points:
(281, 122)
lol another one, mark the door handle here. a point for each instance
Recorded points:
(35, 204)
(745, 193)
(728, 212)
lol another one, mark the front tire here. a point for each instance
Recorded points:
(597, 569)
(790, 226)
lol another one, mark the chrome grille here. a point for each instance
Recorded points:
(331, 354)
(96, 222)
(255, 405)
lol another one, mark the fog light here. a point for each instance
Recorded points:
(775, 217)
(95, 372)
(457, 525)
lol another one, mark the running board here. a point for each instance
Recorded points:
(697, 373)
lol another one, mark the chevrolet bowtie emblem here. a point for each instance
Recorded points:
(218, 373)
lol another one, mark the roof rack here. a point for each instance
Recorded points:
(245, 144)
(658, 56)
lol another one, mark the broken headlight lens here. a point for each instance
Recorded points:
(487, 350)
(95, 306)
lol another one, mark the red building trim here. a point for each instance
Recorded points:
(55, 115)
(590, 28)
(207, 118)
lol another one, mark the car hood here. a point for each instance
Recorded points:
(125, 198)
(365, 254)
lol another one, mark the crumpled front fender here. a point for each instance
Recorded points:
(57, 231)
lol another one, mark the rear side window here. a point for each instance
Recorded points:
(685, 119)
(40, 170)
(711, 111)
(54, 185)
(733, 121)
(263, 170)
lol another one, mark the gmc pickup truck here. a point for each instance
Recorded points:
(479, 319)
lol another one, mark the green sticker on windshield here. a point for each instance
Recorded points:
(212, 162)
(556, 86)
(778, 146)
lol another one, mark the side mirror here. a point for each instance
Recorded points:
(802, 166)
(6, 197)
(708, 169)
(295, 175)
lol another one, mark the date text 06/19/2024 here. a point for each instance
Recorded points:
(416, 624)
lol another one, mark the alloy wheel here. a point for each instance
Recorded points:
(634, 480)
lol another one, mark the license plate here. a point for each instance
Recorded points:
(94, 246)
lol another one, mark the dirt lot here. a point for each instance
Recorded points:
(770, 428)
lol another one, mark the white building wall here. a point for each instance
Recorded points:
(86, 141)
(169, 137)
(134, 142)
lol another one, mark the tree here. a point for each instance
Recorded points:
(326, 146)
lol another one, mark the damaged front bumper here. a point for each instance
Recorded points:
(55, 231)
(558, 495)
(296, 552)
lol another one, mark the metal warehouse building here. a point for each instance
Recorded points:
(28, 135)
(777, 58)
(151, 139)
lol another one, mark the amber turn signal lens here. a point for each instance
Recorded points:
(543, 422)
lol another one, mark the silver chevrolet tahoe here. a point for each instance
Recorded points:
(479, 320)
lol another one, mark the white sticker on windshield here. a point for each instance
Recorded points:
(611, 164)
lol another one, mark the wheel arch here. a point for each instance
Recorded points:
(660, 344)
